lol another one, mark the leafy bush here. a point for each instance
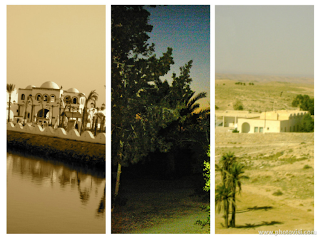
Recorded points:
(206, 188)
(238, 105)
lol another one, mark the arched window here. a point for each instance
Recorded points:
(52, 98)
(82, 100)
(75, 100)
(45, 98)
(23, 97)
(38, 97)
(67, 99)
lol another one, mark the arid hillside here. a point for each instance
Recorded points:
(260, 95)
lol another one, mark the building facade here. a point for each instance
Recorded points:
(272, 122)
(45, 104)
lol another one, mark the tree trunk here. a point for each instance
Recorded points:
(95, 126)
(117, 181)
(226, 210)
(9, 107)
(233, 218)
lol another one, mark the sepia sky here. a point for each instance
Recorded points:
(63, 44)
(272, 40)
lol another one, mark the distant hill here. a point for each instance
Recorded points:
(265, 78)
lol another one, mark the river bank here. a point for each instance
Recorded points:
(69, 151)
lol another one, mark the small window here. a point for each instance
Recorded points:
(256, 129)
(45, 98)
(75, 100)
(67, 99)
(52, 98)
(23, 97)
(260, 129)
(38, 97)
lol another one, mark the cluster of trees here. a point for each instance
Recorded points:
(148, 114)
(225, 193)
(304, 102)
(244, 84)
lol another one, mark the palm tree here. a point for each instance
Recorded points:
(236, 175)
(10, 89)
(93, 95)
(190, 108)
(224, 191)
(222, 196)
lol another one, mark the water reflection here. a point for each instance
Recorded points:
(49, 197)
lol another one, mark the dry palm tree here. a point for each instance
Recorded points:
(10, 89)
(93, 95)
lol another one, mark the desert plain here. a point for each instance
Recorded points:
(279, 193)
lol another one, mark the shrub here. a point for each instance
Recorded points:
(206, 188)
(307, 166)
(277, 193)
(238, 105)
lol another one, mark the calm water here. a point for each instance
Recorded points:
(49, 197)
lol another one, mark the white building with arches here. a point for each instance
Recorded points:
(45, 104)
(272, 122)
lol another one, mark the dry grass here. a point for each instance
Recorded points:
(279, 166)
(258, 97)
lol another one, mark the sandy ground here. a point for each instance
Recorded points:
(159, 207)
(285, 167)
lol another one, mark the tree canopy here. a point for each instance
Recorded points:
(304, 102)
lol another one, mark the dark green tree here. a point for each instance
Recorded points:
(304, 102)
(138, 109)
(223, 192)
(307, 123)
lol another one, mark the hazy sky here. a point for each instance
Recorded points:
(186, 29)
(63, 44)
(275, 40)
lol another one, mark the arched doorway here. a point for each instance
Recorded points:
(42, 116)
(40, 112)
(245, 127)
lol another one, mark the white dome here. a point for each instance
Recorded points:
(50, 84)
(73, 90)
(30, 86)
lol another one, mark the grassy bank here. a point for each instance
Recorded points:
(69, 151)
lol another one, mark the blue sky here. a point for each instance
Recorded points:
(186, 29)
